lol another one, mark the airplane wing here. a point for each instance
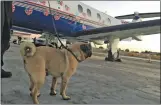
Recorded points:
(142, 15)
(121, 31)
(26, 30)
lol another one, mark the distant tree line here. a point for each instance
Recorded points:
(145, 52)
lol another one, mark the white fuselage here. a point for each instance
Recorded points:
(85, 13)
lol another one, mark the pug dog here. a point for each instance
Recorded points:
(58, 63)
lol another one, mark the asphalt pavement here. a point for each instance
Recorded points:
(95, 82)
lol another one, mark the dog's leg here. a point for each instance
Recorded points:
(38, 82)
(53, 86)
(32, 92)
(63, 88)
(32, 87)
(31, 84)
(36, 92)
(36, 89)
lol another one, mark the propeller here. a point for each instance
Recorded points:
(142, 15)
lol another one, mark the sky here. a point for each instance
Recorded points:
(117, 8)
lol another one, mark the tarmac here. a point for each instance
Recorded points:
(95, 82)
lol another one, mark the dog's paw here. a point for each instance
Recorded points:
(53, 93)
(37, 95)
(66, 98)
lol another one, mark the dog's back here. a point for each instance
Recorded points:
(44, 57)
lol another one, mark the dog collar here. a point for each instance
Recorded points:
(74, 54)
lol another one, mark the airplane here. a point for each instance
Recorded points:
(76, 20)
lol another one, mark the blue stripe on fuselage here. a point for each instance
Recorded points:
(38, 21)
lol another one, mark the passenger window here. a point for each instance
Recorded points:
(98, 16)
(67, 8)
(109, 20)
(89, 12)
(80, 8)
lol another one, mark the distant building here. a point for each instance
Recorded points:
(23, 35)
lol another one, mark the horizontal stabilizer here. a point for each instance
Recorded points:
(142, 15)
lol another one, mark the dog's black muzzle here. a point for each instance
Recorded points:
(89, 54)
(87, 49)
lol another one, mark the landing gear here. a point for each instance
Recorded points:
(114, 57)
(113, 53)
(110, 56)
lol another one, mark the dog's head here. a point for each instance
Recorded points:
(86, 49)
(82, 50)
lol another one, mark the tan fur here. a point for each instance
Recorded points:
(59, 63)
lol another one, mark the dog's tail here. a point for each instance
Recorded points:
(27, 49)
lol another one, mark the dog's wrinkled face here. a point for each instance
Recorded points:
(81, 50)
(86, 49)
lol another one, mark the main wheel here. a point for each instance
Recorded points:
(115, 55)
